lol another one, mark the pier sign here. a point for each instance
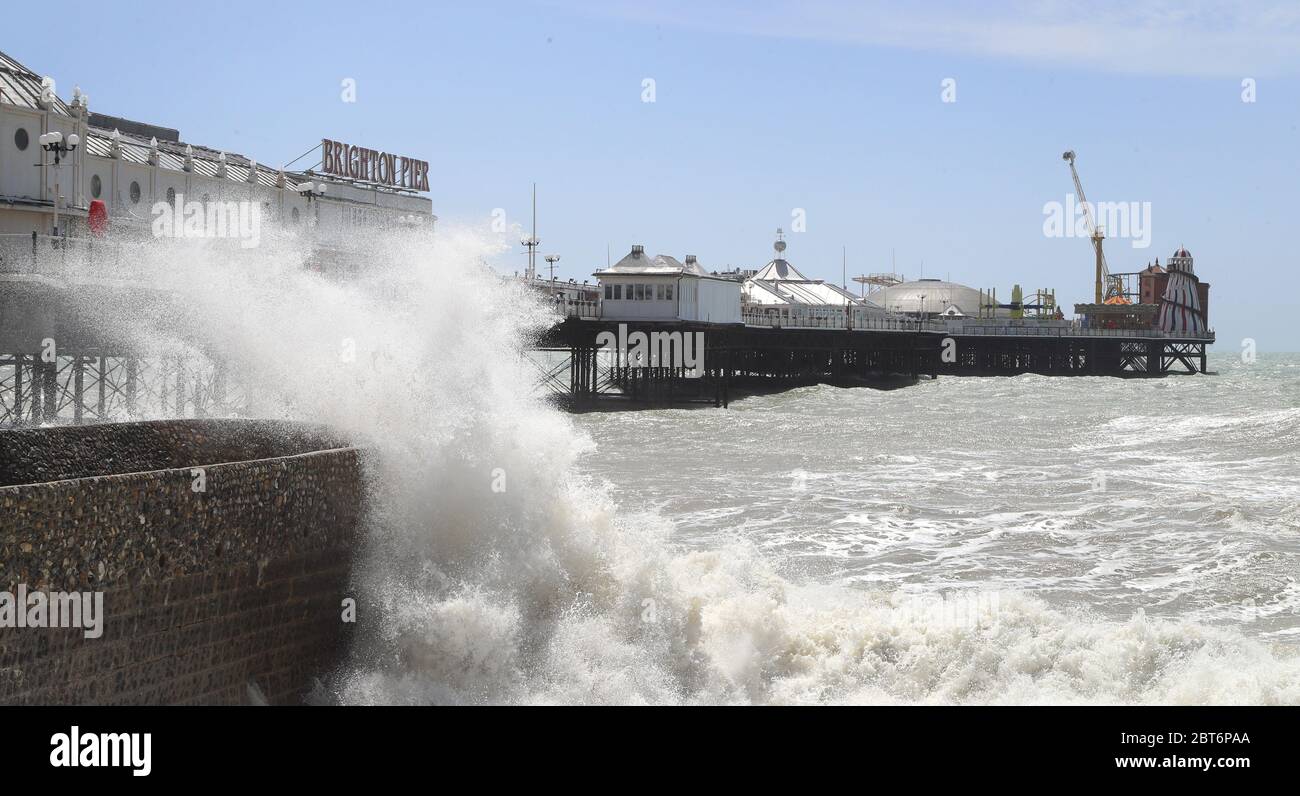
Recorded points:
(384, 168)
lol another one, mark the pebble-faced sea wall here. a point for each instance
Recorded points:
(222, 549)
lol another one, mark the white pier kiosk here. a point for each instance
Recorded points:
(662, 289)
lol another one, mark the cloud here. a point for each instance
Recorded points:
(1212, 38)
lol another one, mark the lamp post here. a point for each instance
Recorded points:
(311, 191)
(531, 242)
(551, 260)
(55, 143)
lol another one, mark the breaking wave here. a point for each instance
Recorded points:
(498, 570)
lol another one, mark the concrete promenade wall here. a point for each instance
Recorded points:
(222, 548)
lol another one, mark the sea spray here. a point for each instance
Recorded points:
(546, 590)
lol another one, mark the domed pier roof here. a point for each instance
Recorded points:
(1181, 261)
(929, 296)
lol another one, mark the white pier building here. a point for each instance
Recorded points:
(61, 164)
(661, 288)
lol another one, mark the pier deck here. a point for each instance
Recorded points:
(762, 352)
(754, 356)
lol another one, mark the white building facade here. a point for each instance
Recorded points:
(640, 287)
(130, 166)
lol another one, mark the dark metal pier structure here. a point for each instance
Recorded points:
(63, 362)
(735, 356)
(888, 352)
(1099, 352)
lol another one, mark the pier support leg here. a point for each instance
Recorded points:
(50, 387)
(18, 389)
(78, 387)
(36, 390)
(101, 403)
(132, 369)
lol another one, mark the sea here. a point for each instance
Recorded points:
(994, 540)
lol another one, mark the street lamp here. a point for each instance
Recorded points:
(55, 143)
(531, 242)
(312, 191)
(551, 260)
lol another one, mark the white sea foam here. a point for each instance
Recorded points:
(563, 589)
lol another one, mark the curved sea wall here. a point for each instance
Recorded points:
(221, 549)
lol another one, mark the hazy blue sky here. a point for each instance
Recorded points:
(762, 108)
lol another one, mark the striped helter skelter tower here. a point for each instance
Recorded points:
(1180, 311)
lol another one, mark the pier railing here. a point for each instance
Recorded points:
(591, 310)
(93, 386)
(1074, 331)
(838, 320)
(573, 308)
(73, 257)
(833, 318)
(45, 255)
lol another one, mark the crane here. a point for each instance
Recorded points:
(1104, 288)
